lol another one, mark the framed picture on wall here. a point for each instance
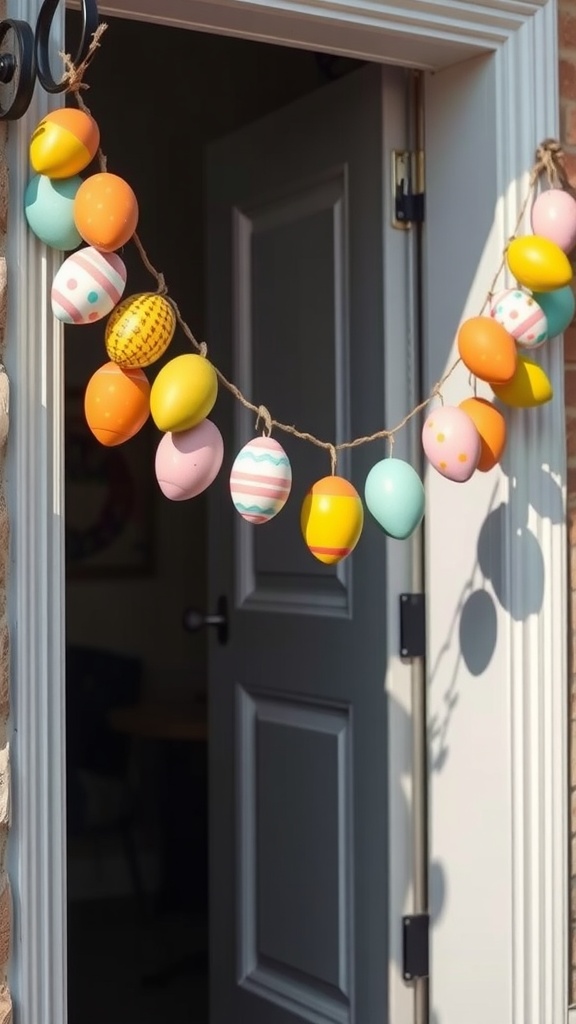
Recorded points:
(109, 500)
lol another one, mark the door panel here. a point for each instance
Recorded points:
(298, 716)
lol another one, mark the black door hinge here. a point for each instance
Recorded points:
(416, 946)
(408, 188)
(412, 626)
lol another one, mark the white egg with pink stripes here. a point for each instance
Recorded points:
(87, 286)
(260, 480)
(521, 316)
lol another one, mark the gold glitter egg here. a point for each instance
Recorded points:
(140, 330)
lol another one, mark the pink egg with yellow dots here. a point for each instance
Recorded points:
(521, 316)
(451, 443)
(189, 461)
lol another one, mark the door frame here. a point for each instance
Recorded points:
(490, 95)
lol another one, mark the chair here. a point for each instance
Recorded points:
(100, 800)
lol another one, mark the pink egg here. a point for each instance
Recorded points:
(451, 443)
(554, 217)
(189, 461)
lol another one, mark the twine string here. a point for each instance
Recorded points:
(549, 163)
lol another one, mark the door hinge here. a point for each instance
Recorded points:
(407, 188)
(416, 946)
(412, 626)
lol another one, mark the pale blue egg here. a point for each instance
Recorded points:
(394, 494)
(559, 307)
(49, 209)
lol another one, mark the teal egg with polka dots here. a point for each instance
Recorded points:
(88, 286)
(49, 210)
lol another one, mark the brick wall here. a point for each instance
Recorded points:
(567, 79)
(5, 900)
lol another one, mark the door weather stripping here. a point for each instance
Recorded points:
(407, 188)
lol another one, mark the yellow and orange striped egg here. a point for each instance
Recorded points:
(331, 519)
(139, 330)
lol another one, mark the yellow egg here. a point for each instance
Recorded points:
(64, 143)
(529, 386)
(139, 330)
(538, 264)
(331, 519)
(183, 393)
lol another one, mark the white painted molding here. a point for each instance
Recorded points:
(498, 735)
(425, 33)
(37, 846)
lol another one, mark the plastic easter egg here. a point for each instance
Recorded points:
(88, 286)
(140, 329)
(394, 494)
(260, 480)
(451, 443)
(188, 462)
(521, 316)
(491, 426)
(487, 349)
(116, 403)
(183, 393)
(554, 217)
(530, 386)
(49, 210)
(106, 211)
(559, 307)
(64, 143)
(538, 264)
(331, 519)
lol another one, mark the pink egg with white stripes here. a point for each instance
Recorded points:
(521, 316)
(87, 286)
(260, 480)
(189, 461)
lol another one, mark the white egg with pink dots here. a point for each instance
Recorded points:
(521, 316)
(87, 286)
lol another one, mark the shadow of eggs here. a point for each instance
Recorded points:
(189, 461)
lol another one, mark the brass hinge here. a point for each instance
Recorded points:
(407, 188)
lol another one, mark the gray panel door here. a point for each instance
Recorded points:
(298, 754)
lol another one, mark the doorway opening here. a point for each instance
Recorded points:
(137, 729)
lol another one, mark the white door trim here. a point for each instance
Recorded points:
(519, 875)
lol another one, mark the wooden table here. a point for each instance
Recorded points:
(162, 722)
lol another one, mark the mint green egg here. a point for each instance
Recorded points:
(394, 495)
(49, 210)
(559, 307)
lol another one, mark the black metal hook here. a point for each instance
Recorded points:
(42, 40)
(26, 56)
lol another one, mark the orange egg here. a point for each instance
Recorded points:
(105, 211)
(487, 349)
(491, 426)
(64, 143)
(116, 403)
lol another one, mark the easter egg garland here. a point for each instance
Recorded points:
(102, 210)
